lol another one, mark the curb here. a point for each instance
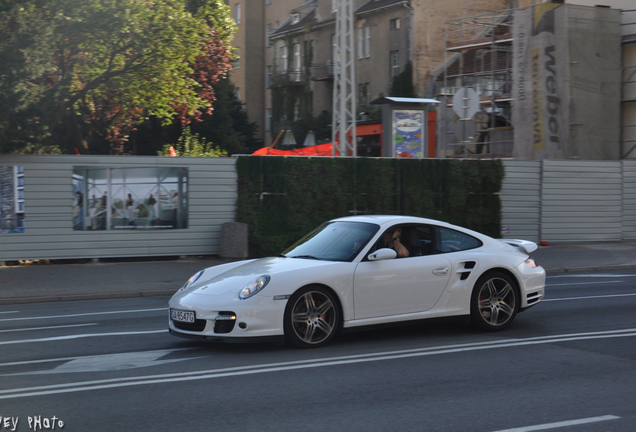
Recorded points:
(94, 296)
(589, 269)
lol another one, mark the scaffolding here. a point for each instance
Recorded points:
(477, 57)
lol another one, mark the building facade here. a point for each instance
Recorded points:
(285, 75)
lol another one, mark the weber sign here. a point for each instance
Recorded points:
(540, 94)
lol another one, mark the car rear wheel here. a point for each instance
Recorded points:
(495, 301)
(312, 317)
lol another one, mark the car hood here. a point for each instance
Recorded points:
(216, 281)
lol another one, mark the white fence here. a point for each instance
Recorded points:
(569, 201)
(192, 199)
(554, 201)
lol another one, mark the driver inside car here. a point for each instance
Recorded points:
(392, 241)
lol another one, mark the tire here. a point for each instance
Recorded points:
(495, 301)
(312, 317)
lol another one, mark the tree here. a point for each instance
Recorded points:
(191, 145)
(83, 75)
(402, 84)
(228, 128)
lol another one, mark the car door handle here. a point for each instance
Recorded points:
(441, 271)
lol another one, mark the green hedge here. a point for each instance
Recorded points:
(282, 198)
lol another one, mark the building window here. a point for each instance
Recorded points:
(268, 81)
(237, 58)
(296, 62)
(395, 63)
(297, 111)
(268, 2)
(268, 120)
(395, 24)
(237, 92)
(295, 18)
(334, 6)
(237, 13)
(268, 32)
(364, 42)
(364, 94)
(282, 65)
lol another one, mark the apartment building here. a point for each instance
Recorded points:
(296, 48)
(285, 74)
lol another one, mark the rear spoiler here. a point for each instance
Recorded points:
(524, 245)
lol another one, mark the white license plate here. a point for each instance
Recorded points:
(182, 316)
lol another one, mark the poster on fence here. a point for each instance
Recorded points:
(129, 198)
(11, 199)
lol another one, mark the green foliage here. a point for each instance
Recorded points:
(192, 145)
(402, 85)
(83, 74)
(282, 198)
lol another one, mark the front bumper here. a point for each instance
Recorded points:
(257, 318)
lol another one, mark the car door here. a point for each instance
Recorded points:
(399, 286)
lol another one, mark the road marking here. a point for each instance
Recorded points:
(85, 314)
(584, 283)
(590, 297)
(66, 359)
(8, 312)
(47, 328)
(301, 364)
(562, 424)
(588, 275)
(80, 336)
(112, 362)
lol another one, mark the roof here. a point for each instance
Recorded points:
(289, 26)
(386, 100)
(373, 5)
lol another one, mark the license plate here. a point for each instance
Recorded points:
(182, 316)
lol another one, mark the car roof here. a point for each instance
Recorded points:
(390, 219)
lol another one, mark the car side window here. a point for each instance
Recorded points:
(449, 240)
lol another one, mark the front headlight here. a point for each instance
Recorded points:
(192, 280)
(254, 287)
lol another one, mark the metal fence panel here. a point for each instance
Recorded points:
(581, 201)
(50, 209)
(629, 200)
(521, 200)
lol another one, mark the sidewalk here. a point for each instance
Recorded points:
(104, 280)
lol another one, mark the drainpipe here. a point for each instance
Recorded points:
(411, 32)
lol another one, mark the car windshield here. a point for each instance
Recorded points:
(333, 241)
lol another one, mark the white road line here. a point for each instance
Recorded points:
(297, 365)
(85, 314)
(47, 328)
(590, 297)
(562, 424)
(588, 275)
(584, 283)
(65, 359)
(8, 312)
(80, 336)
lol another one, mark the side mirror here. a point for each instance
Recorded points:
(383, 254)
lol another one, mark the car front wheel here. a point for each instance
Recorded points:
(495, 301)
(312, 317)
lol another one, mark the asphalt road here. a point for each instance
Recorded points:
(568, 364)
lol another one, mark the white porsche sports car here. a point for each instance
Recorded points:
(343, 275)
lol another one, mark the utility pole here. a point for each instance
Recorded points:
(344, 86)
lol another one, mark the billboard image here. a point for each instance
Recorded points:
(11, 199)
(408, 133)
(129, 198)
